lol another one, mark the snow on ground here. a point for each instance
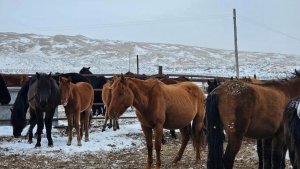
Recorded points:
(108, 140)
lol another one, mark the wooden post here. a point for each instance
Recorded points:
(137, 65)
(235, 44)
(160, 71)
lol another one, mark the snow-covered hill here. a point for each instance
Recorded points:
(29, 53)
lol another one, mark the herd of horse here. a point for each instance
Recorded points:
(268, 111)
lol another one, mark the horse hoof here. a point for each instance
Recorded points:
(37, 145)
(29, 141)
(103, 130)
(86, 140)
(79, 144)
(68, 144)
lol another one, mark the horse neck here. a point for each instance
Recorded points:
(140, 90)
(291, 87)
(73, 91)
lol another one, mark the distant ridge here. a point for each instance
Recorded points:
(28, 53)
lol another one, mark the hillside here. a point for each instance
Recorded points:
(28, 53)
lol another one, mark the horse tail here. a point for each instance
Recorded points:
(215, 135)
(197, 128)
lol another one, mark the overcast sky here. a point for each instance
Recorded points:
(268, 25)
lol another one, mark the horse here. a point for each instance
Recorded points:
(97, 82)
(172, 81)
(106, 97)
(291, 120)
(161, 106)
(4, 93)
(19, 110)
(247, 110)
(15, 79)
(76, 77)
(76, 98)
(43, 96)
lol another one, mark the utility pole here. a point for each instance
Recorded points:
(235, 45)
(137, 64)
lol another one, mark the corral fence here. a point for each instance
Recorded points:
(5, 112)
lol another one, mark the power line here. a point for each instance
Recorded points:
(134, 23)
(251, 21)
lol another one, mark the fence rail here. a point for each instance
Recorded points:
(5, 109)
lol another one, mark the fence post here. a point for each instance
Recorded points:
(160, 71)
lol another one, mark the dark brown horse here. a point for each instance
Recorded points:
(15, 79)
(76, 98)
(247, 110)
(161, 106)
(42, 96)
(291, 120)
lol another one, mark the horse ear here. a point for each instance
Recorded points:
(122, 79)
(69, 79)
(208, 82)
(37, 74)
(88, 68)
(50, 75)
(215, 82)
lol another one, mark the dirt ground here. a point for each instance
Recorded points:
(125, 159)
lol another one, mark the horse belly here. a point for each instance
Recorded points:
(177, 119)
(263, 129)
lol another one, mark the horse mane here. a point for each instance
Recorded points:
(21, 102)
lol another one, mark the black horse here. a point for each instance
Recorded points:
(4, 93)
(291, 120)
(76, 77)
(43, 96)
(97, 82)
(19, 109)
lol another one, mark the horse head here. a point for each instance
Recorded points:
(18, 121)
(65, 89)
(121, 97)
(85, 70)
(43, 89)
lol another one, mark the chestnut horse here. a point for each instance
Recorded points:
(106, 97)
(291, 120)
(76, 98)
(161, 106)
(247, 110)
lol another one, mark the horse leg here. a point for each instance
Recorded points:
(267, 148)
(70, 127)
(40, 127)
(259, 153)
(77, 126)
(148, 136)
(277, 147)
(86, 124)
(158, 133)
(48, 124)
(173, 135)
(282, 161)
(32, 123)
(110, 123)
(105, 122)
(185, 137)
(117, 124)
(233, 147)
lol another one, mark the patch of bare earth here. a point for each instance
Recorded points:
(125, 159)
